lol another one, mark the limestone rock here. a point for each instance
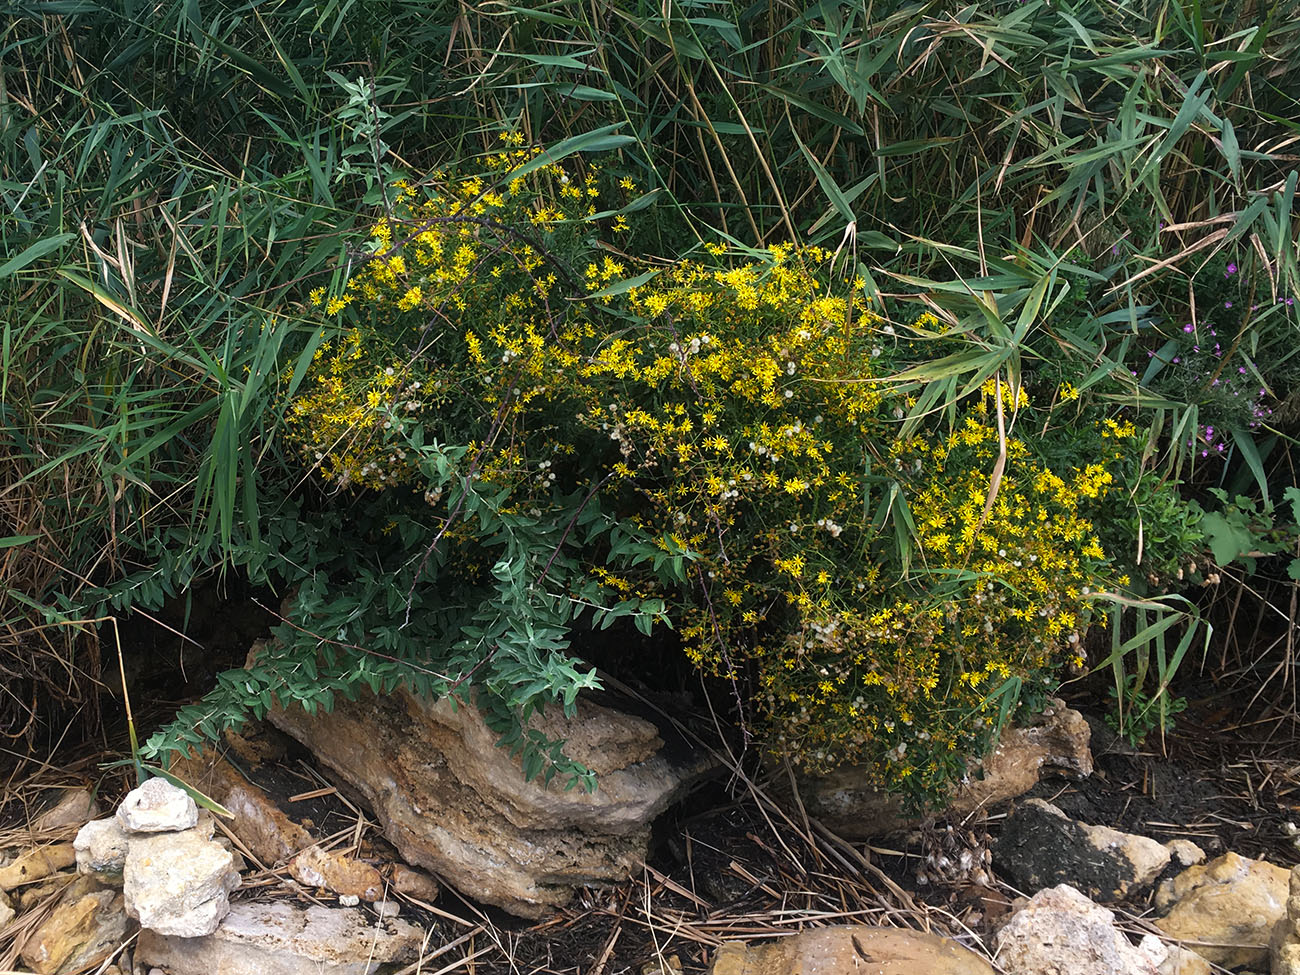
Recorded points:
(1061, 932)
(850, 950)
(672, 965)
(178, 883)
(1041, 846)
(1284, 949)
(31, 896)
(315, 867)
(74, 808)
(101, 850)
(7, 912)
(1184, 853)
(283, 939)
(157, 807)
(37, 864)
(87, 925)
(1231, 903)
(257, 743)
(260, 824)
(415, 884)
(1184, 961)
(1057, 741)
(455, 804)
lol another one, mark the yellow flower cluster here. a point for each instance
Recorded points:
(735, 411)
(432, 260)
(350, 419)
(1000, 601)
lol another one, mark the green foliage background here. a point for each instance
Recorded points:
(1064, 183)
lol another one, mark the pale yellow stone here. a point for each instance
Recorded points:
(1228, 908)
(850, 950)
(37, 864)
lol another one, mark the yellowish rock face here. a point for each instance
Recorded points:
(1227, 908)
(850, 950)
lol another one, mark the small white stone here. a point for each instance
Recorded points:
(101, 850)
(349, 900)
(1185, 852)
(1153, 948)
(157, 807)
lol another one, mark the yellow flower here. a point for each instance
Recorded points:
(792, 566)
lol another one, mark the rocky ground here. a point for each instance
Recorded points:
(391, 837)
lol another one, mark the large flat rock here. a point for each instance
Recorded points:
(284, 939)
(455, 804)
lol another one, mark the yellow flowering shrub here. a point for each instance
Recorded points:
(913, 675)
(715, 438)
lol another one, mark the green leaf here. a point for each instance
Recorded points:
(1245, 445)
(603, 139)
(826, 181)
(1231, 151)
(34, 253)
(1227, 541)
(624, 286)
(1292, 494)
